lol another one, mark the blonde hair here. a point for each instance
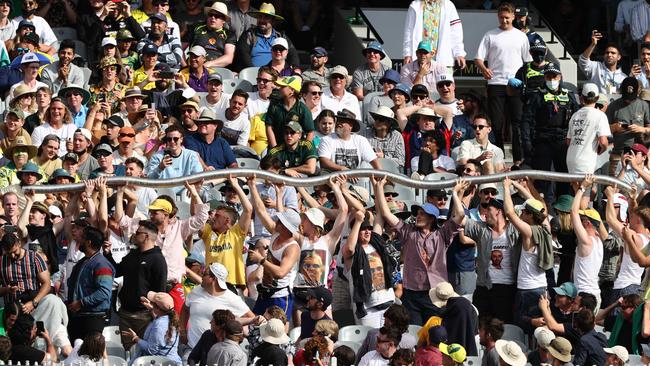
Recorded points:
(565, 222)
(328, 328)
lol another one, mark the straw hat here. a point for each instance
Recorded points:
(266, 9)
(22, 144)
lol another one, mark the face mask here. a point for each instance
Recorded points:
(28, 13)
(519, 24)
(538, 58)
(553, 84)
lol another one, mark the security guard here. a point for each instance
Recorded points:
(545, 123)
(530, 77)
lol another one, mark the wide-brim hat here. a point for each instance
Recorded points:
(218, 7)
(273, 332)
(209, 116)
(510, 352)
(347, 115)
(290, 219)
(133, 92)
(60, 173)
(72, 87)
(384, 112)
(375, 46)
(563, 203)
(20, 143)
(441, 293)
(109, 61)
(32, 169)
(266, 9)
(20, 91)
(401, 88)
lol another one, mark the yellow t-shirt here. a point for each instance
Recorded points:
(227, 249)
(257, 138)
(139, 76)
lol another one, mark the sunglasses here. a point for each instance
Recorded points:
(168, 139)
(22, 50)
(443, 84)
(289, 132)
(489, 192)
(264, 81)
(216, 15)
(337, 76)
(127, 135)
(278, 49)
(419, 97)
(315, 93)
(73, 94)
(479, 127)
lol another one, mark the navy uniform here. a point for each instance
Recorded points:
(532, 73)
(214, 41)
(545, 124)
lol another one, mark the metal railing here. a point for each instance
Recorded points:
(323, 179)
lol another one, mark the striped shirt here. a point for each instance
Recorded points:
(23, 271)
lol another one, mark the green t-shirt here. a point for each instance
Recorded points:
(277, 117)
(298, 157)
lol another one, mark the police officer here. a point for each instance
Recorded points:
(530, 77)
(545, 123)
(522, 22)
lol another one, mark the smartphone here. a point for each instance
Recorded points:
(10, 229)
(167, 153)
(166, 74)
(153, 106)
(627, 150)
(40, 327)
(625, 125)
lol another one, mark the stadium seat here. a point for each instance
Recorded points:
(225, 73)
(249, 74)
(112, 334)
(230, 85)
(414, 329)
(512, 332)
(116, 361)
(389, 165)
(81, 50)
(354, 345)
(87, 73)
(366, 104)
(244, 152)
(294, 334)
(354, 333)
(635, 360)
(63, 33)
(153, 361)
(473, 361)
(245, 345)
(115, 349)
(248, 163)
(405, 193)
(441, 176)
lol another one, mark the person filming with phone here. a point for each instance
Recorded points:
(23, 335)
(606, 74)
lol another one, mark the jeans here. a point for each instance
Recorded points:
(497, 302)
(419, 306)
(503, 107)
(526, 307)
(464, 283)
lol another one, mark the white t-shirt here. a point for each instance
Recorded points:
(119, 245)
(145, 195)
(530, 276)
(202, 304)
(443, 161)
(348, 153)
(505, 52)
(373, 358)
(501, 262)
(256, 104)
(64, 133)
(585, 127)
(349, 101)
(219, 107)
(314, 263)
(471, 149)
(235, 130)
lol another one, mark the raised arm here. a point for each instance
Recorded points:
(351, 243)
(458, 213)
(334, 235)
(551, 323)
(258, 206)
(523, 228)
(247, 215)
(633, 247)
(380, 201)
(581, 233)
(610, 212)
(102, 211)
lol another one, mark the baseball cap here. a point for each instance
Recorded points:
(640, 148)
(85, 132)
(437, 334)
(543, 336)
(533, 205)
(220, 273)
(496, 203)
(114, 120)
(443, 76)
(455, 351)
(109, 41)
(629, 88)
(160, 204)
(428, 208)
(419, 89)
(425, 46)
(71, 156)
(590, 90)
(319, 51)
(149, 49)
(103, 148)
(339, 70)
(621, 200)
(294, 126)
(215, 77)
(521, 11)
(619, 351)
(566, 289)
(592, 215)
(197, 51)
(321, 294)
(280, 42)
(159, 16)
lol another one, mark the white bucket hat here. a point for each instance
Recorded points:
(316, 217)
(290, 219)
(273, 332)
(510, 352)
(441, 293)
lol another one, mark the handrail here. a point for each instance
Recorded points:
(322, 179)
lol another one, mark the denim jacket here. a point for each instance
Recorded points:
(94, 282)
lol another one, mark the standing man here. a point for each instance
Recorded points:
(90, 285)
(63, 72)
(605, 74)
(505, 49)
(144, 269)
(423, 69)
(423, 248)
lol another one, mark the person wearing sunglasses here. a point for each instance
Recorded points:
(365, 78)
(169, 47)
(337, 98)
(311, 95)
(258, 102)
(318, 71)
(423, 70)
(480, 148)
(125, 150)
(279, 63)
(184, 160)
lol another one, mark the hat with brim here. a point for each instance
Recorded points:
(273, 332)
(40, 206)
(266, 9)
(592, 215)
(385, 113)
(455, 351)
(228, 186)
(217, 7)
(510, 353)
(620, 352)
(133, 92)
(566, 289)
(563, 203)
(428, 208)
(293, 82)
(208, 116)
(346, 115)
(403, 89)
(20, 143)
(375, 46)
(30, 168)
(72, 87)
(160, 204)
(21, 90)
(441, 293)
(109, 61)
(360, 193)
(427, 112)
(290, 219)
(560, 348)
(60, 173)
(316, 217)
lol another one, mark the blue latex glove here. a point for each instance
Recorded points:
(515, 83)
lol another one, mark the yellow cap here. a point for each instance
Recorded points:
(534, 205)
(161, 205)
(293, 82)
(455, 351)
(591, 214)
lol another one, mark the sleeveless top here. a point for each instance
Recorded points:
(276, 258)
(585, 269)
(630, 272)
(530, 276)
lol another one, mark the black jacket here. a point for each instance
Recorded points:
(143, 272)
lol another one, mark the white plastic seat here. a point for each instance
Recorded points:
(354, 345)
(230, 85)
(153, 361)
(405, 193)
(294, 334)
(248, 163)
(115, 349)
(249, 74)
(112, 334)
(512, 332)
(116, 361)
(473, 361)
(414, 329)
(354, 333)
(635, 360)
(389, 165)
(223, 72)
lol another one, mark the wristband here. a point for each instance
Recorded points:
(583, 190)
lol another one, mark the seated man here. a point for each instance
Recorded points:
(104, 155)
(63, 72)
(345, 149)
(236, 125)
(214, 150)
(298, 157)
(216, 100)
(480, 148)
(196, 74)
(169, 48)
(219, 42)
(365, 78)
(423, 70)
